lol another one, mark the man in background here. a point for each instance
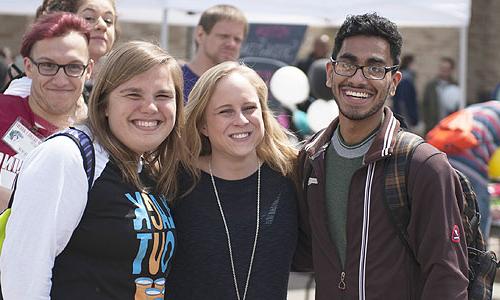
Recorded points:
(321, 47)
(484, 121)
(404, 100)
(437, 104)
(218, 38)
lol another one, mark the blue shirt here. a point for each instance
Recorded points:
(190, 79)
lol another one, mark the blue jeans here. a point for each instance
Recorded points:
(483, 200)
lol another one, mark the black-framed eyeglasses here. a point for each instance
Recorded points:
(50, 69)
(348, 69)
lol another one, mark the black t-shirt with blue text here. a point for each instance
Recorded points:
(123, 246)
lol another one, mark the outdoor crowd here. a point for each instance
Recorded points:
(126, 175)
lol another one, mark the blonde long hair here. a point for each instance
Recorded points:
(275, 148)
(125, 62)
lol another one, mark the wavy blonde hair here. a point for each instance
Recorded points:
(126, 61)
(275, 149)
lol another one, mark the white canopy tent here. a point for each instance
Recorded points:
(454, 13)
(408, 13)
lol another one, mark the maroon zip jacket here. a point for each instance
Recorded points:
(378, 266)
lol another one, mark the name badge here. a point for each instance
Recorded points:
(21, 139)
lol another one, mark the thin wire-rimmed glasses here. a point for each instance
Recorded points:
(50, 69)
(348, 69)
(92, 19)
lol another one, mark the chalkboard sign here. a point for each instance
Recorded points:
(281, 42)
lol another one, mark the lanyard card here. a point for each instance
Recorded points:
(20, 138)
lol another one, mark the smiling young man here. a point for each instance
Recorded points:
(347, 237)
(218, 38)
(56, 58)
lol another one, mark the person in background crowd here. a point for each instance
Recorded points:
(6, 55)
(313, 66)
(116, 238)
(4, 76)
(237, 227)
(321, 46)
(405, 98)
(5, 61)
(436, 103)
(218, 37)
(347, 236)
(56, 59)
(100, 15)
(473, 162)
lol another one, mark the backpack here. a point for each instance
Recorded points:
(84, 143)
(482, 264)
(454, 134)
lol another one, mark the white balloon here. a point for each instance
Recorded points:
(320, 113)
(290, 86)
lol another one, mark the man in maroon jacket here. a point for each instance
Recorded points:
(346, 236)
(56, 58)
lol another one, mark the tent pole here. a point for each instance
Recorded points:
(462, 79)
(164, 30)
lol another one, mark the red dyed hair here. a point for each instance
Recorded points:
(53, 25)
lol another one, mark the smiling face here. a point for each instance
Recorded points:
(102, 17)
(223, 43)
(141, 111)
(55, 96)
(233, 119)
(359, 98)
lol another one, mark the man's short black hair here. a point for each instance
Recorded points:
(449, 60)
(370, 25)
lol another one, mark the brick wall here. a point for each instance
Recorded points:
(484, 48)
(12, 30)
(178, 44)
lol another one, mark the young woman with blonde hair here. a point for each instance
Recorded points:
(238, 223)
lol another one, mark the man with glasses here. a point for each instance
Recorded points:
(56, 58)
(347, 236)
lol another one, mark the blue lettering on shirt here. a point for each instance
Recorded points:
(154, 247)
(168, 222)
(141, 214)
(169, 246)
(143, 247)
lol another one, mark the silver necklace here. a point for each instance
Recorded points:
(229, 238)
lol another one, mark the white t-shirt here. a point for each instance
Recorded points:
(19, 87)
(54, 208)
(450, 99)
